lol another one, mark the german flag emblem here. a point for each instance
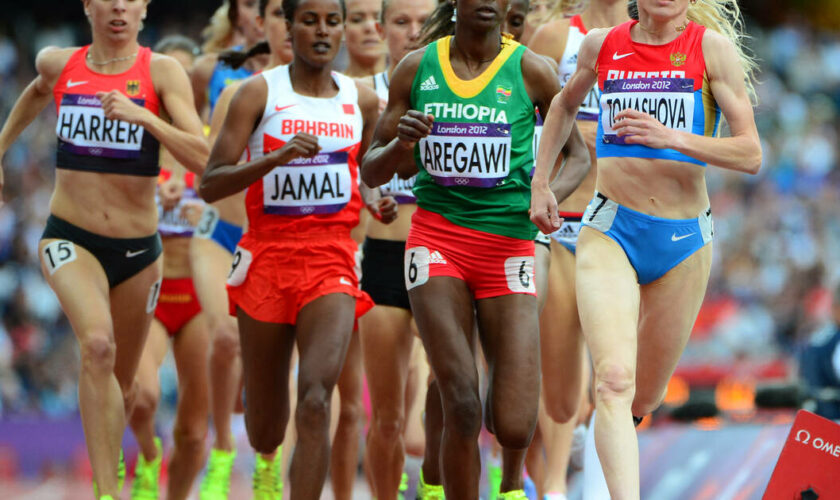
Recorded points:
(132, 88)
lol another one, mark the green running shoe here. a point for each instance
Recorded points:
(216, 483)
(278, 471)
(120, 477)
(147, 476)
(513, 495)
(264, 480)
(429, 491)
(494, 479)
(403, 486)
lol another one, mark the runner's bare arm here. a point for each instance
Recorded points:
(37, 95)
(224, 175)
(399, 128)
(559, 122)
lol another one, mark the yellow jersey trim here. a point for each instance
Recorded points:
(467, 89)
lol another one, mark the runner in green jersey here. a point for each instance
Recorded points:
(461, 114)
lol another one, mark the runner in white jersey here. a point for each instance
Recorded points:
(389, 326)
(294, 279)
(565, 365)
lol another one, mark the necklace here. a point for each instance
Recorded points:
(109, 61)
(678, 29)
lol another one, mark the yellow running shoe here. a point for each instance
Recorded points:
(278, 470)
(264, 480)
(147, 476)
(403, 486)
(216, 483)
(429, 491)
(513, 495)
(106, 497)
(120, 476)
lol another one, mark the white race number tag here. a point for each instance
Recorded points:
(58, 253)
(154, 295)
(207, 223)
(519, 272)
(416, 267)
(239, 267)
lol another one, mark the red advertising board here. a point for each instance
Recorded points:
(809, 466)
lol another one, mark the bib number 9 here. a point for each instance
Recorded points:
(58, 253)
(239, 267)
(416, 267)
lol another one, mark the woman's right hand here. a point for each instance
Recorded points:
(302, 145)
(543, 210)
(414, 126)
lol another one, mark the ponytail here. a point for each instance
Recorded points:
(219, 33)
(439, 24)
(723, 17)
(236, 58)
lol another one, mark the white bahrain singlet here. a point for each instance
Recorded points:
(568, 64)
(307, 194)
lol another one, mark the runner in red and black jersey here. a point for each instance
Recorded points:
(100, 250)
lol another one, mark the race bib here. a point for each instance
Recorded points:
(208, 222)
(467, 154)
(400, 189)
(239, 267)
(416, 267)
(58, 253)
(305, 186)
(669, 100)
(83, 129)
(519, 272)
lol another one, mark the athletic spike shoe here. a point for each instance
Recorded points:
(216, 483)
(120, 476)
(429, 491)
(264, 480)
(513, 495)
(494, 480)
(278, 471)
(403, 486)
(106, 497)
(147, 476)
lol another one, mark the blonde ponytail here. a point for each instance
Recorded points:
(219, 33)
(724, 17)
(567, 8)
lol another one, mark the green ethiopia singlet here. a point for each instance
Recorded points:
(474, 166)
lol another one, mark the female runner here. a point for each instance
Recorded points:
(362, 39)
(477, 92)
(212, 250)
(645, 247)
(211, 75)
(564, 360)
(388, 326)
(179, 316)
(293, 277)
(100, 250)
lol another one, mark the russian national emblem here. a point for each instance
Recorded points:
(678, 59)
(132, 87)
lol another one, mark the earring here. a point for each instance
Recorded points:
(454, 14)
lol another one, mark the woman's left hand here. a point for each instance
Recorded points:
(641, 128)
(119, 107)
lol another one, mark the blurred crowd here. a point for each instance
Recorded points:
(777, 234)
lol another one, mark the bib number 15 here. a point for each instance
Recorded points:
(58, 253)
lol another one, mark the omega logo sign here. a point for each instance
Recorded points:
(804, 437)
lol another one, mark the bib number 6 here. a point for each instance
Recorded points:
(519, 272)
(416, 267)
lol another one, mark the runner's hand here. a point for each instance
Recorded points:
(641, 128)
(385, 209)
(414, 126)
(171, 192)
(302, 145)
(543, 210)
(119, 107)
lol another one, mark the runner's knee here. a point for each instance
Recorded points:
(615, 384)
(98, 353)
